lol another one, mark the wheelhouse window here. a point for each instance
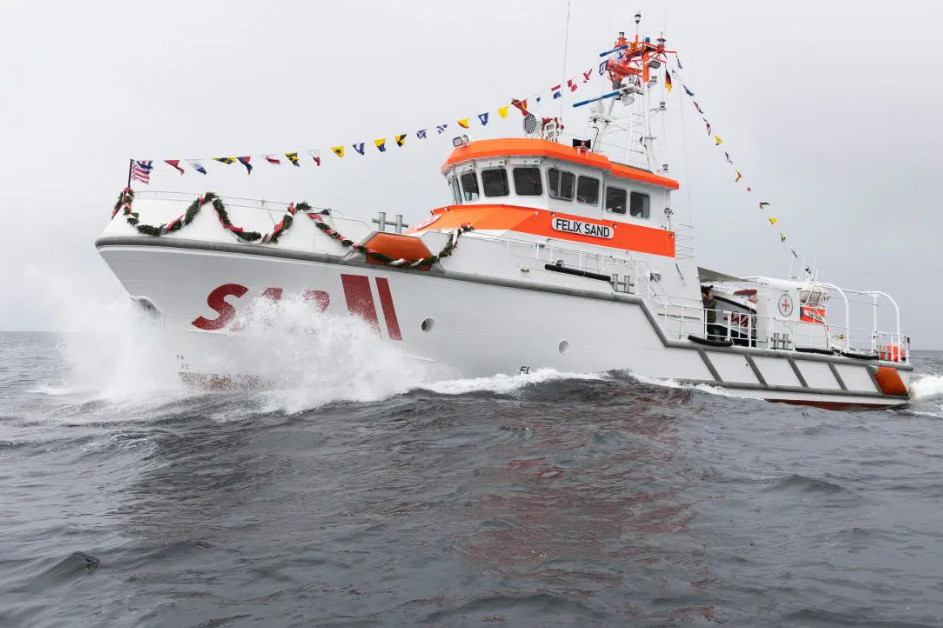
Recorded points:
(470, 186)
(587, 191)
(495, 182)
(616, 200)
(560, 184)
(456, 192)
(639, 205)
(527, 182)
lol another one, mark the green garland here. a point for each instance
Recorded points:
(126, 198)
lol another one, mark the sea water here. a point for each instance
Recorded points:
(361, 487)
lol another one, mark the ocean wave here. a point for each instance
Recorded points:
(76, 565)
(808, 484)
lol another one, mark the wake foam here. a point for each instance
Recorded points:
(505, 384)
(309, 359)
(119, 355)
(926, 391)
(670, 383)
(296, 358)
(51, 390)
(926, 387)
(321, 359)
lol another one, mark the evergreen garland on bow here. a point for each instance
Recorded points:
(126, 198)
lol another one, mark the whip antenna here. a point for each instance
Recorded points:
(566, 43)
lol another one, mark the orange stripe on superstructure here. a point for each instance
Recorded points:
(627, 237)
(523, 147)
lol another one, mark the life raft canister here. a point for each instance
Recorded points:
(890, 353)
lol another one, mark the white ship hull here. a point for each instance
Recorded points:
(461, 323)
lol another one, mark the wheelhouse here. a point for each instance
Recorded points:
(549, 176)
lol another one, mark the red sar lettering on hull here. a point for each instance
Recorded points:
(357, 293)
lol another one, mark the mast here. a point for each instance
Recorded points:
(629, 66)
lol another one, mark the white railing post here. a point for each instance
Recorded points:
(874, 324)
(847, 313)
(897, 315)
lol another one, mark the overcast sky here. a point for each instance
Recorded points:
(829, 108)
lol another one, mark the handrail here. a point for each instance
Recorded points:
(847, 310)
(878, 293)
(758, 330)
(190, 196)
(897, 338)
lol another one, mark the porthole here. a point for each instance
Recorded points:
(427, 324)
(564, 347)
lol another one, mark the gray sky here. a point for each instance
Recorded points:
(840, 131)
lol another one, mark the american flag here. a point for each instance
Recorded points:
(141, 171)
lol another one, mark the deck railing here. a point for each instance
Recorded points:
(771, 332)
(273, 208)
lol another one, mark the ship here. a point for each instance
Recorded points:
(549, 255)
